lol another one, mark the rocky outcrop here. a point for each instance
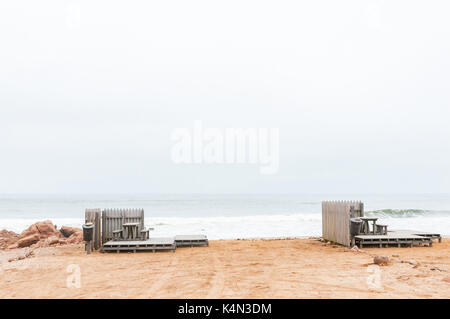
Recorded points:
(37, 232)
(41, 234)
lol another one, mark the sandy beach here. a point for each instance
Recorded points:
(283, 268)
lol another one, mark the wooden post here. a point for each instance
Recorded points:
(88, 247)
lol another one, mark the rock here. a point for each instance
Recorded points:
(29, 231)
(412, 262)
(405, 278)
(7, 238)
(13, 246)
(27, 254)
(75, 238)
(446, 279)
(39, 244)
(381, 260)
(28, 241)
(395, 255)
(46, 228)
(6, 234)
(68, 231)
(53, 240)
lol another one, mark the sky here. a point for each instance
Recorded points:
(91, 91)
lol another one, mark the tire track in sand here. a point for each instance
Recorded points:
(218, 281)
(164, 277)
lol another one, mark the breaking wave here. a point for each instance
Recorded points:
(405, 213)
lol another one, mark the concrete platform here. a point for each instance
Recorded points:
(191, 240)
(152, 244)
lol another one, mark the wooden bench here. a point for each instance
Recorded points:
(117, 234)
(366, 226)
(145, 234)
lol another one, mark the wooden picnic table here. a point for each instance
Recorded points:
(366, 228)
(130, 231)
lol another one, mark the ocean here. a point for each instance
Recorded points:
(229, 216)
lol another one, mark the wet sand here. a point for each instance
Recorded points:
(290, 268)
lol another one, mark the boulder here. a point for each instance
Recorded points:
(29, 231)
(381, 260)
(44, 229)
(7, 238)
(28, 241)
(68, 231)
(75, 238)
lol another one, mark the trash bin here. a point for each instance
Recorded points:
(355, 226)
(88, 232)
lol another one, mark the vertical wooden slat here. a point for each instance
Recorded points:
(113, 219)
(336, 220)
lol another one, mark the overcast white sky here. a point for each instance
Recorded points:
(90, 92)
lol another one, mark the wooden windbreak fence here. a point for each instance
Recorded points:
(113, 219)
(336, 220)
(94, 216)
